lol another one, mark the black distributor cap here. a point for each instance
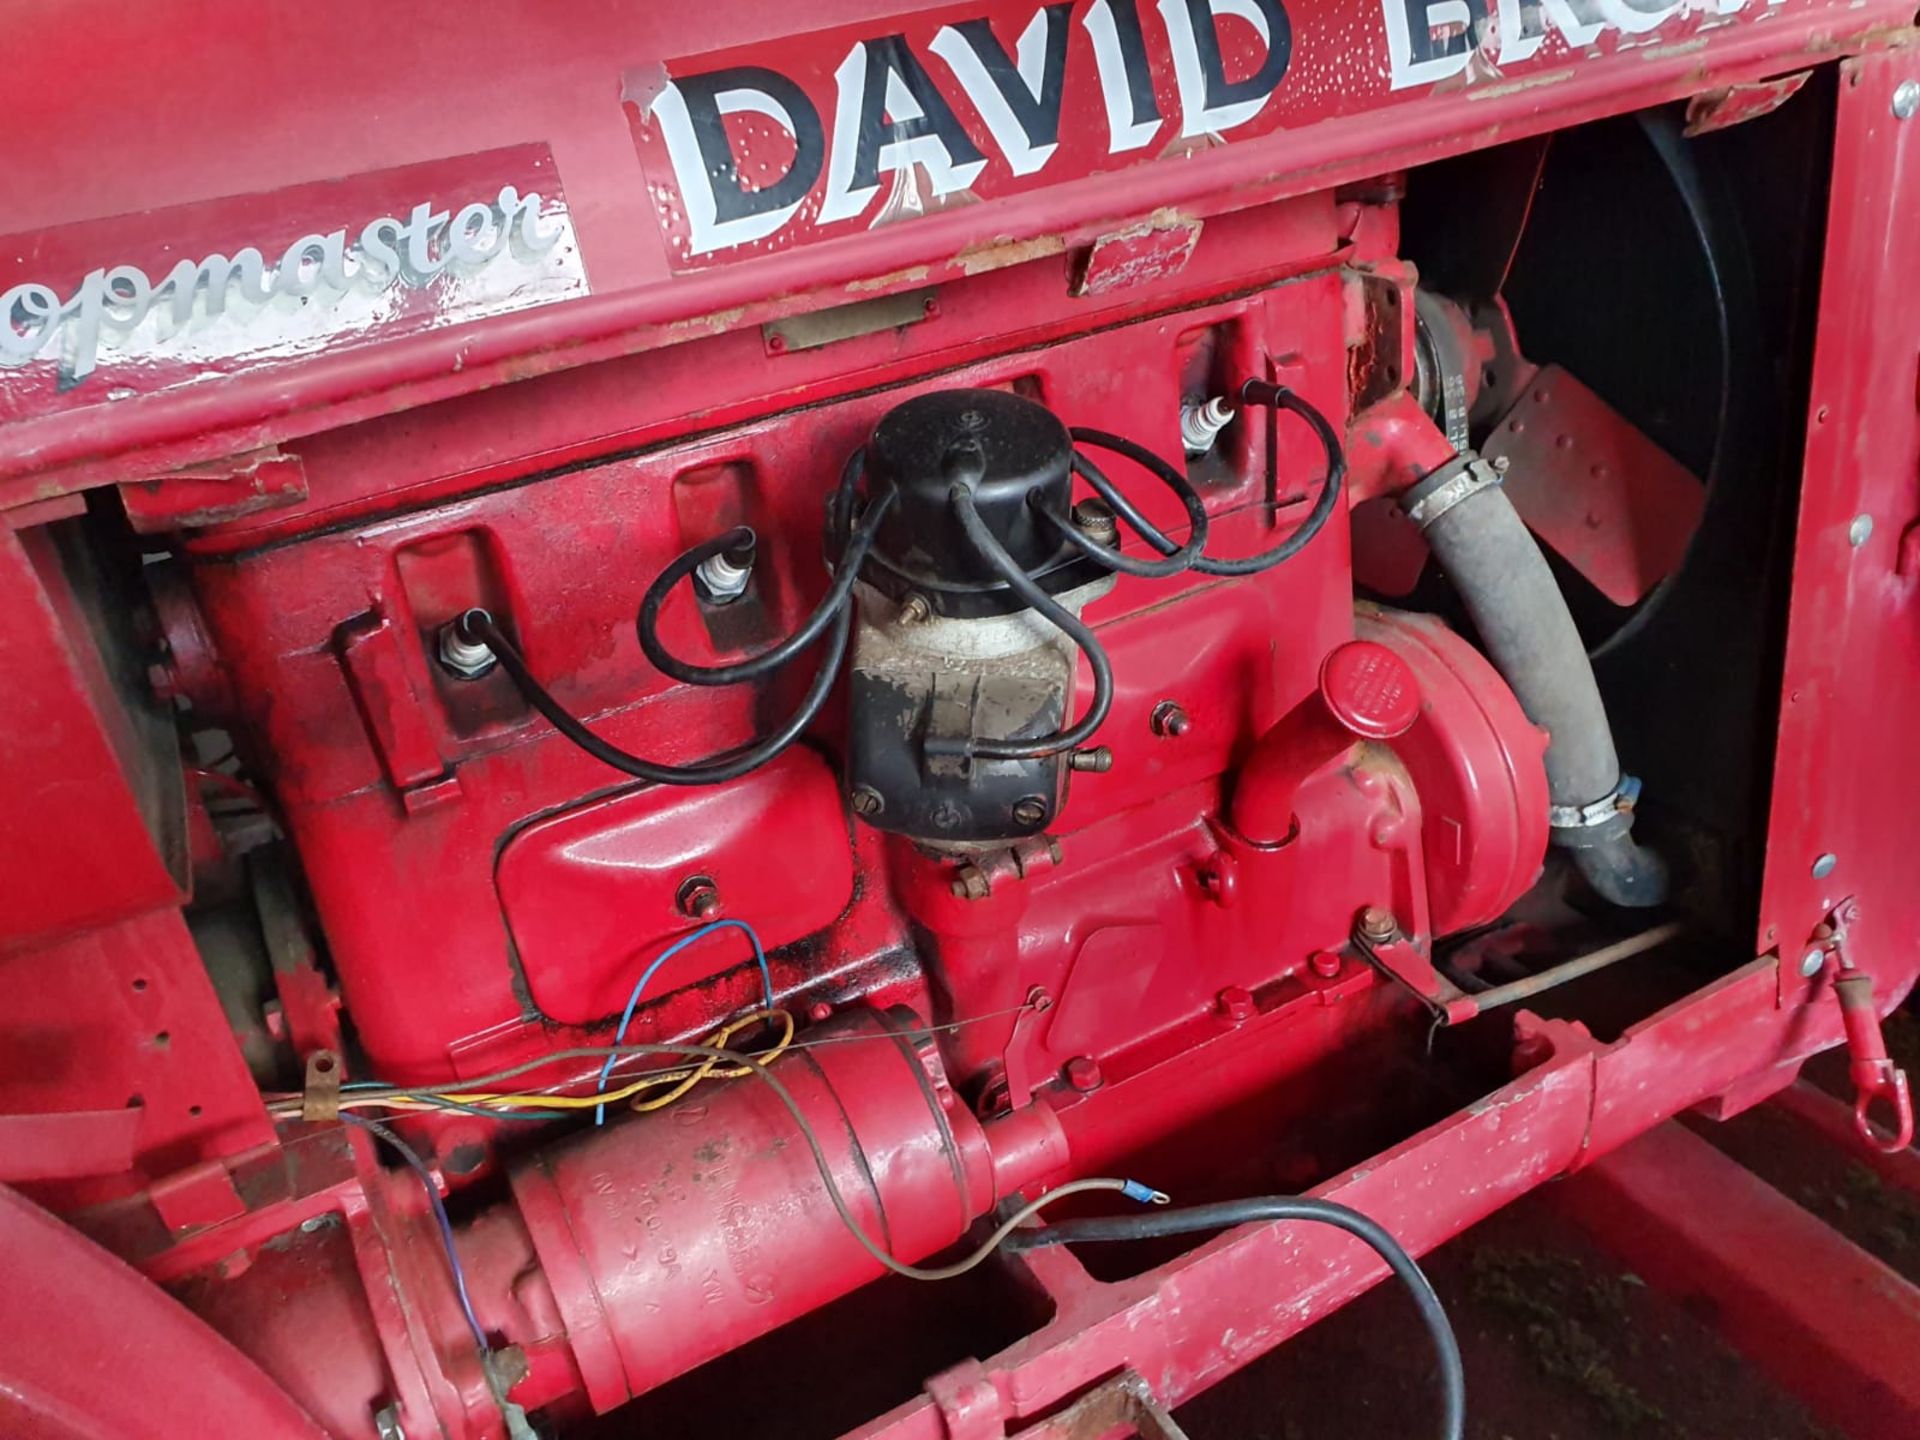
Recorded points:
(1013, 453)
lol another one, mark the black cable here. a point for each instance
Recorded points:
(1187, 1219)
(1277, 397)
(647, 622)
(1018, 581)
(728, 765)
(1175, 561)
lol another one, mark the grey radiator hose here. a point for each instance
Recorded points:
(1523, 621)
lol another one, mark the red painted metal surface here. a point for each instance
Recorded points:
(95, 1352)
(485, 893)
(579, 66)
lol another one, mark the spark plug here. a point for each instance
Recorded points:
(1201, 424)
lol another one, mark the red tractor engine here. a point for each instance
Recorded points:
(1085, 716)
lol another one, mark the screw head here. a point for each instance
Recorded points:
(1906, 99)
(1824, 866)
(1812, 962)
(1083, 1073)
(1860, 531)
(867, 801)
(1169, 720)
(1030, 811)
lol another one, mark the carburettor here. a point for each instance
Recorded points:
(964, 650)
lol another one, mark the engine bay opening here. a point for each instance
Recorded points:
(936, 824)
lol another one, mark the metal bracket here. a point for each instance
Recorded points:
(1126, 1400)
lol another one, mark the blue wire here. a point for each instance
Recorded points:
(626, 1016)
(419, 1166)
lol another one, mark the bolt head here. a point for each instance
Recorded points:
(1325, 963)
(1236, 1004)
(1378, 923)
(1169, 720)
(698, 898)
(866, 801)
(1083, 1073)
(1813, 962)
(970, 883)
(1906, 99)
(1860, 531)
(1824, 866)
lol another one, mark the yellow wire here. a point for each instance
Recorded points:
(680, 1081)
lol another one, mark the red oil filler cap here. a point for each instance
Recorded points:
(1366, 692)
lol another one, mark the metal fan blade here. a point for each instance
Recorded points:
(1605, 498)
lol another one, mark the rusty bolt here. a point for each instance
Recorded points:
(1235, 1004)
(1095, 519)
(914, 610)
(1378, 925)
(698, 897)
(867, 801)
(970, 883)
(1030, 811)
(1169, 721)
(1326, 963)
(1083, 1073)
(1098, 759)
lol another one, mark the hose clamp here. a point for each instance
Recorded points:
(1620, 799)
(1461, 478)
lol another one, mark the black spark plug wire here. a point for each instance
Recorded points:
(832, 617)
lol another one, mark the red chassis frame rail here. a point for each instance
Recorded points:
(1851, 695)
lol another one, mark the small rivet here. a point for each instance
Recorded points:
(1860, 531)
(1906, 99)
(1823, 867)
(1811, 962)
